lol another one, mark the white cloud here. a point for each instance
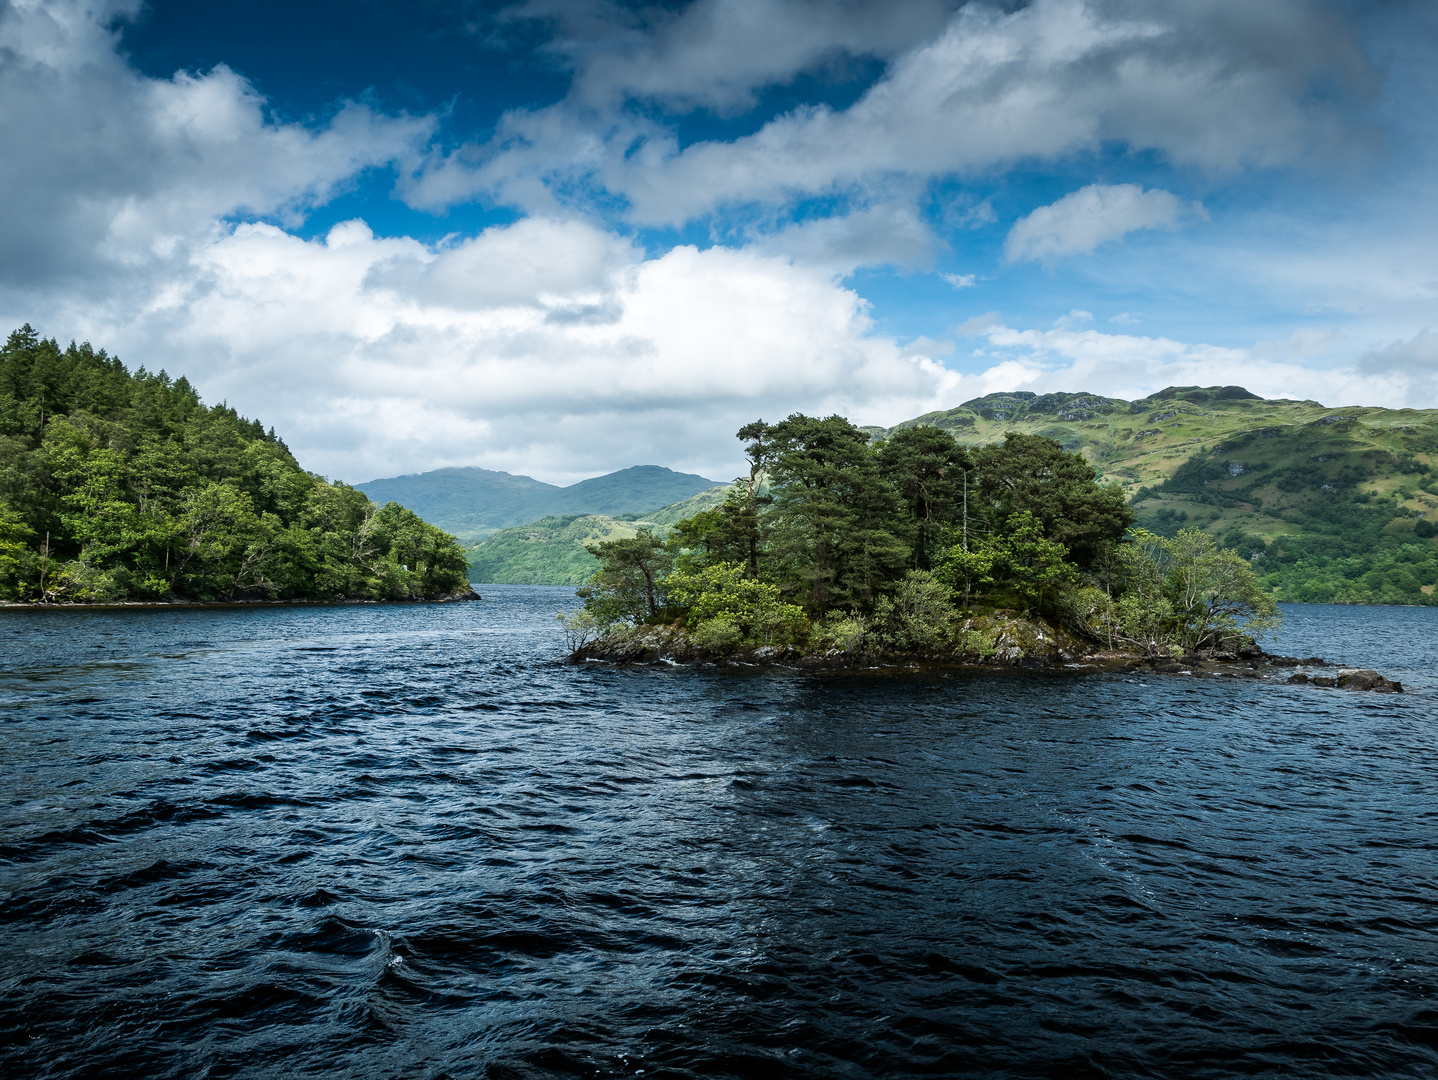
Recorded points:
(961, 281)
(106, 166)
(1221, 85)
(546, 347)
(1093, 215)
(887, 234)
(1412, 363)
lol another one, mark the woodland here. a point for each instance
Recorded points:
(835, 541)
(124, 486)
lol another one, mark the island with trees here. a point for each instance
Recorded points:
(838, 550)
(120, 486)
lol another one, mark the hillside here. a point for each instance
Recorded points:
(472, 503)
(120, 485)
(551, 551)
(1333, 504)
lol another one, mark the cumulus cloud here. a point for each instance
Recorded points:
(107, 166)
(1094, 215)
(543, 347)
(1221, 85)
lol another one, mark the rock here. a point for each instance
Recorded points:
(1357, 678)
(464, 592)
(1324, 680)
(1298, 677)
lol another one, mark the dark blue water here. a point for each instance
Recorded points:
(406, 842)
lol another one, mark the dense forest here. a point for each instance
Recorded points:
(120, 485)
(837, 542)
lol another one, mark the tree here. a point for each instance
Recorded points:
(926, 467)
(1215, 593)
(1183, 593)
(139, 490)
(722, 592)
(627, 587)
(1035, 474)
(831, 531)
(1022, 560)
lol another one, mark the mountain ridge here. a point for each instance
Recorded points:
(473, 503)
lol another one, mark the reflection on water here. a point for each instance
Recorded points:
(405, 841)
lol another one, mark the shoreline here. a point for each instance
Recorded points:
(1046, 650)
(116, 605)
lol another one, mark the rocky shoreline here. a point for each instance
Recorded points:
(1009, 642)
(460, 595)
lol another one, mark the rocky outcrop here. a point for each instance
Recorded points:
(1350, 679)
(463, 592)
(997, 639)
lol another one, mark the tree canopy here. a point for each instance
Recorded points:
(125, 485)
(831, 536)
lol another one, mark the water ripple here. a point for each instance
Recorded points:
(407, 842)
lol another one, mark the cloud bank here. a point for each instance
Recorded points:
(162, 217)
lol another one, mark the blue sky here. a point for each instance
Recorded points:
(560, 237)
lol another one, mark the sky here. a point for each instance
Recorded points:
(563, 237)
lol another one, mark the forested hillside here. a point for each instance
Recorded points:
(1330, 504)
(123, 485)
(555, 550)
(473, 503)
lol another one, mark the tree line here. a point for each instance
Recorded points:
(833, 541)
(124, 485)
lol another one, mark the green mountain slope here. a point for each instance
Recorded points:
(1332, 504)
(551, 551)
(472, 503)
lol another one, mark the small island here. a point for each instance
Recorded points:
(837, 551)
(124, 487)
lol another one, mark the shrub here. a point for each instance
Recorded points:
(919, 616)
(723, 592)
(718, 635)
(839, 632)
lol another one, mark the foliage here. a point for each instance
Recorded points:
(919, 615)
(1034, 475)
(1021, 560)
(928, 470)
(579, 627)
(838, 631)
(120, 485)
(723, 593)
(1183, 592)
(629, 584)
(830, 533)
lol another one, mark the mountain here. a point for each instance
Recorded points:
(551, 551)
(1331, 504)
(472, 503)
